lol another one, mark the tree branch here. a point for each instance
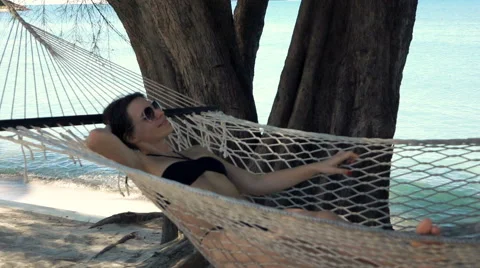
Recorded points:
(249, 20)
(121, 241)
(223, 24)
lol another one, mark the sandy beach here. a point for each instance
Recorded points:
(69, 197)
(37, 231)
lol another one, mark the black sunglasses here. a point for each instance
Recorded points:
(149, 111)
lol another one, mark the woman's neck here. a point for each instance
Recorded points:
(158, 148)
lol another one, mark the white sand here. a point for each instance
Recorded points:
(47, 226)
(29, 239)
(79, 203)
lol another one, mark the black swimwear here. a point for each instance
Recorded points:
(188, 171)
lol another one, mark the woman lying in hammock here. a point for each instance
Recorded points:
(135, 137)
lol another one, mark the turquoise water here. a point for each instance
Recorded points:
(439, 91)
(441, 80)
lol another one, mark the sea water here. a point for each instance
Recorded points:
(439, 91)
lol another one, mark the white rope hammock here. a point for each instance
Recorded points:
(44, 76)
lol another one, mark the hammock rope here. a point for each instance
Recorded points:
(427, 178)
(316, 243)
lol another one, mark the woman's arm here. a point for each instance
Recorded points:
(276, 181)
(103, 142)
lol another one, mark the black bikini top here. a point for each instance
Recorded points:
(188, 171)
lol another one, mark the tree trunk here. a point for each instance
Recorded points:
(191, 46)
(342, 76)
(198, 49)
(248, 30)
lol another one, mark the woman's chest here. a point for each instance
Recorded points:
(195, 174)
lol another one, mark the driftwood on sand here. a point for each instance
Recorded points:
(128, 218)
(121, 241)
(177, 253)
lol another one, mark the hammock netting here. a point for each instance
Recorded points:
(395, 183)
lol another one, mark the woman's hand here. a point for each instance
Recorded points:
(330, 166)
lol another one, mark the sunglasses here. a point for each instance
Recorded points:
(149, 111)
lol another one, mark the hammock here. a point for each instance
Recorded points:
(47, 77)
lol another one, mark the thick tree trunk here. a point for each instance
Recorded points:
(190, 46)
(196, 48)
(342, 76)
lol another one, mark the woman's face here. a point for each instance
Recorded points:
(150, 123)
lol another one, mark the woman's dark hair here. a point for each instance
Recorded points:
(116, 116)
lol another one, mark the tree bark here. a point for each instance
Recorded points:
(196, 48)
(152, 56)
(249, 19)
(190, 46)
(342, 76)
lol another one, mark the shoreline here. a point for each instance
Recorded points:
(59, 198)
(49, 211)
